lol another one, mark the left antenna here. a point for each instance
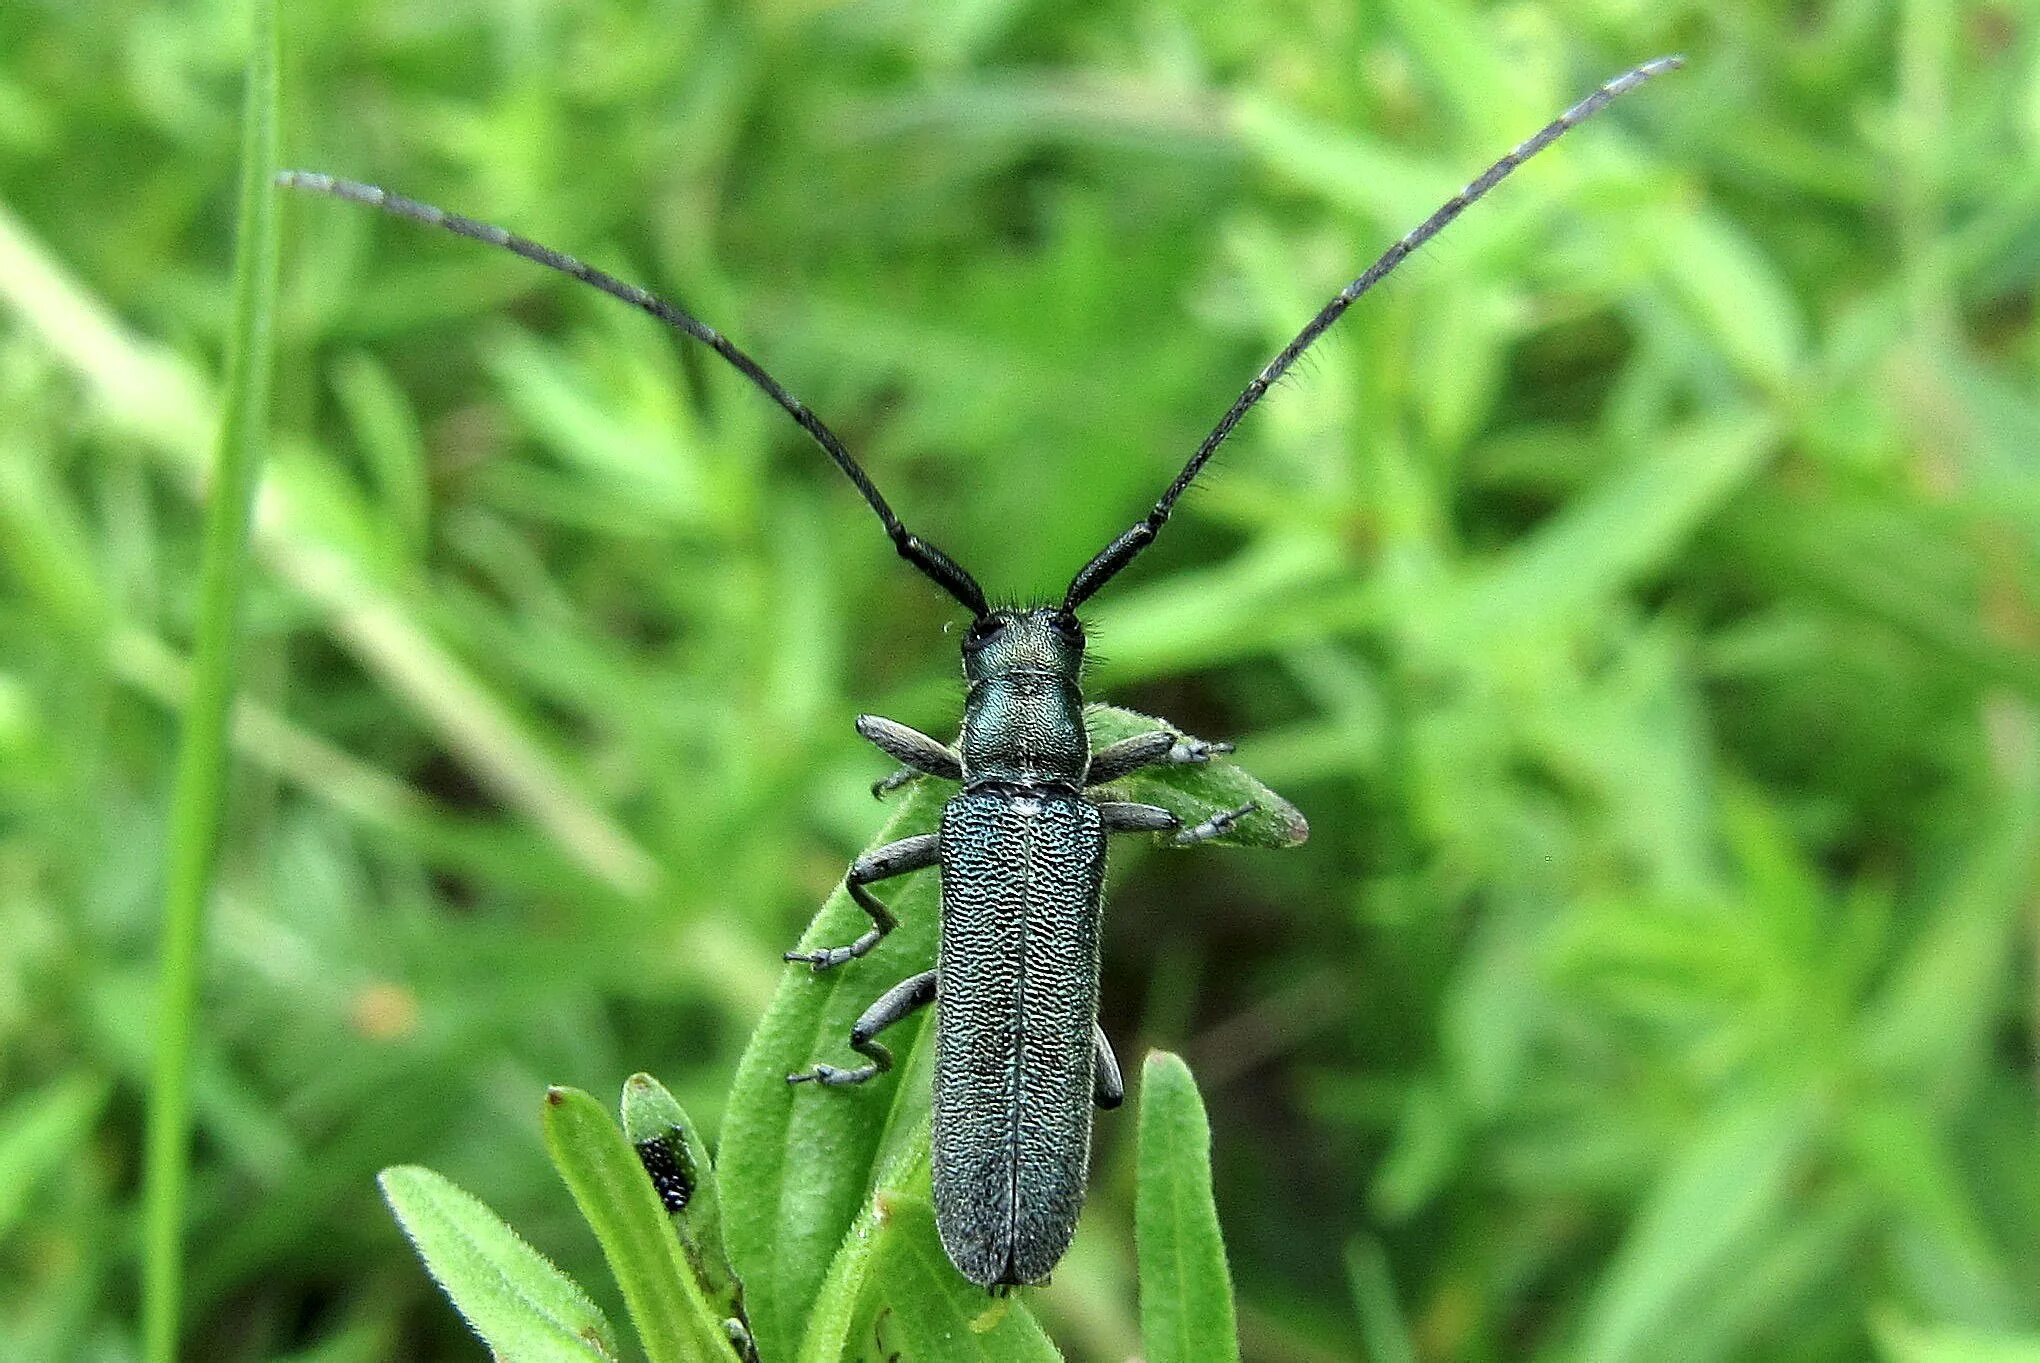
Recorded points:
(946, 572)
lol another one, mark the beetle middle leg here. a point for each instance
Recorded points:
(1122, 816)
(881, 863)
(909, 994)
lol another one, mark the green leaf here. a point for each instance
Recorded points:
(512, 1296)
(842, 1307)
(674, 1322)
(1716, 1202)
(930, 1311)
(1186, 1300)
(1625, 527)
(798, 1165)
(1383, 1328)
(39, 1133)
(1902, 1342)
(1734, 294)
(670, 1150)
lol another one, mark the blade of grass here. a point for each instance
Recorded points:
(669, 1146)
(148, 395)
(1383, 1330)
(198, 800)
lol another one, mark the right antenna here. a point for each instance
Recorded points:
(1124, 549)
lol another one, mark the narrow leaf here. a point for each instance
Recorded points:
(1709, 1209)
(1623, 528)
(841, 1305)
(930, 1311)
(39, 1133)
(1901, 1342)
(512, 1296)
(670, 1149)
(797, 1164)
(1186, 1300)
(1383, 1329)
(674, 1322)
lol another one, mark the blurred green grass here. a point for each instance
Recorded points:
(1638, 594)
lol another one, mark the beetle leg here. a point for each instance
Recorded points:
(1213, 827)
(905, 776)
(895, 1003)
(1129, 754)
(920, 754)
(881, 863)
(1108, 1089)
(1145, 750)
(1125, 817)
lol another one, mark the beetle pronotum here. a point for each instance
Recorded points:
(1020, 1059)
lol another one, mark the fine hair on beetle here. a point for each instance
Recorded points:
(1020, 1058)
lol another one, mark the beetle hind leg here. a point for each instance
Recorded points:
(904, 998)
(881, 863)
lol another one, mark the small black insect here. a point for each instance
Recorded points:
(1020, 1059)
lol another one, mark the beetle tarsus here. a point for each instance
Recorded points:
(881, 863)
(1213, 827)
(1190, 751)
(905, 776)
(827, 958)
(895, 1003)
(831, 1077)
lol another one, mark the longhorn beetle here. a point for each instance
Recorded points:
(1019, 1057)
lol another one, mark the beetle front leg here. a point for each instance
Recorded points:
(1108, 1089)
(909, 994)
(1125, 817)
(918, 754)
(881, 863)
(1145, 750)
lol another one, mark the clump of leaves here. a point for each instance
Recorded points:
(814, 1230)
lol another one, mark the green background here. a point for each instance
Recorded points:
(1640, 593)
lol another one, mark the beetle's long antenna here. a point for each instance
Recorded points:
(946, 571)
(1123, 550)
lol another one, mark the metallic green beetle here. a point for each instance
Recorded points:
(1020, 1059)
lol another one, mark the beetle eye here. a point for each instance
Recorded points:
(1067, 628)
(982, 629)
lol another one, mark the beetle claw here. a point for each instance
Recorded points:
(1193, 751)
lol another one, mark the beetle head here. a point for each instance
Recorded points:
(1034, 639)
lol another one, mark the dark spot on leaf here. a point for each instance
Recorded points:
(665, 1162)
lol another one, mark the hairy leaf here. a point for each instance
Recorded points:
(512, 1296)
